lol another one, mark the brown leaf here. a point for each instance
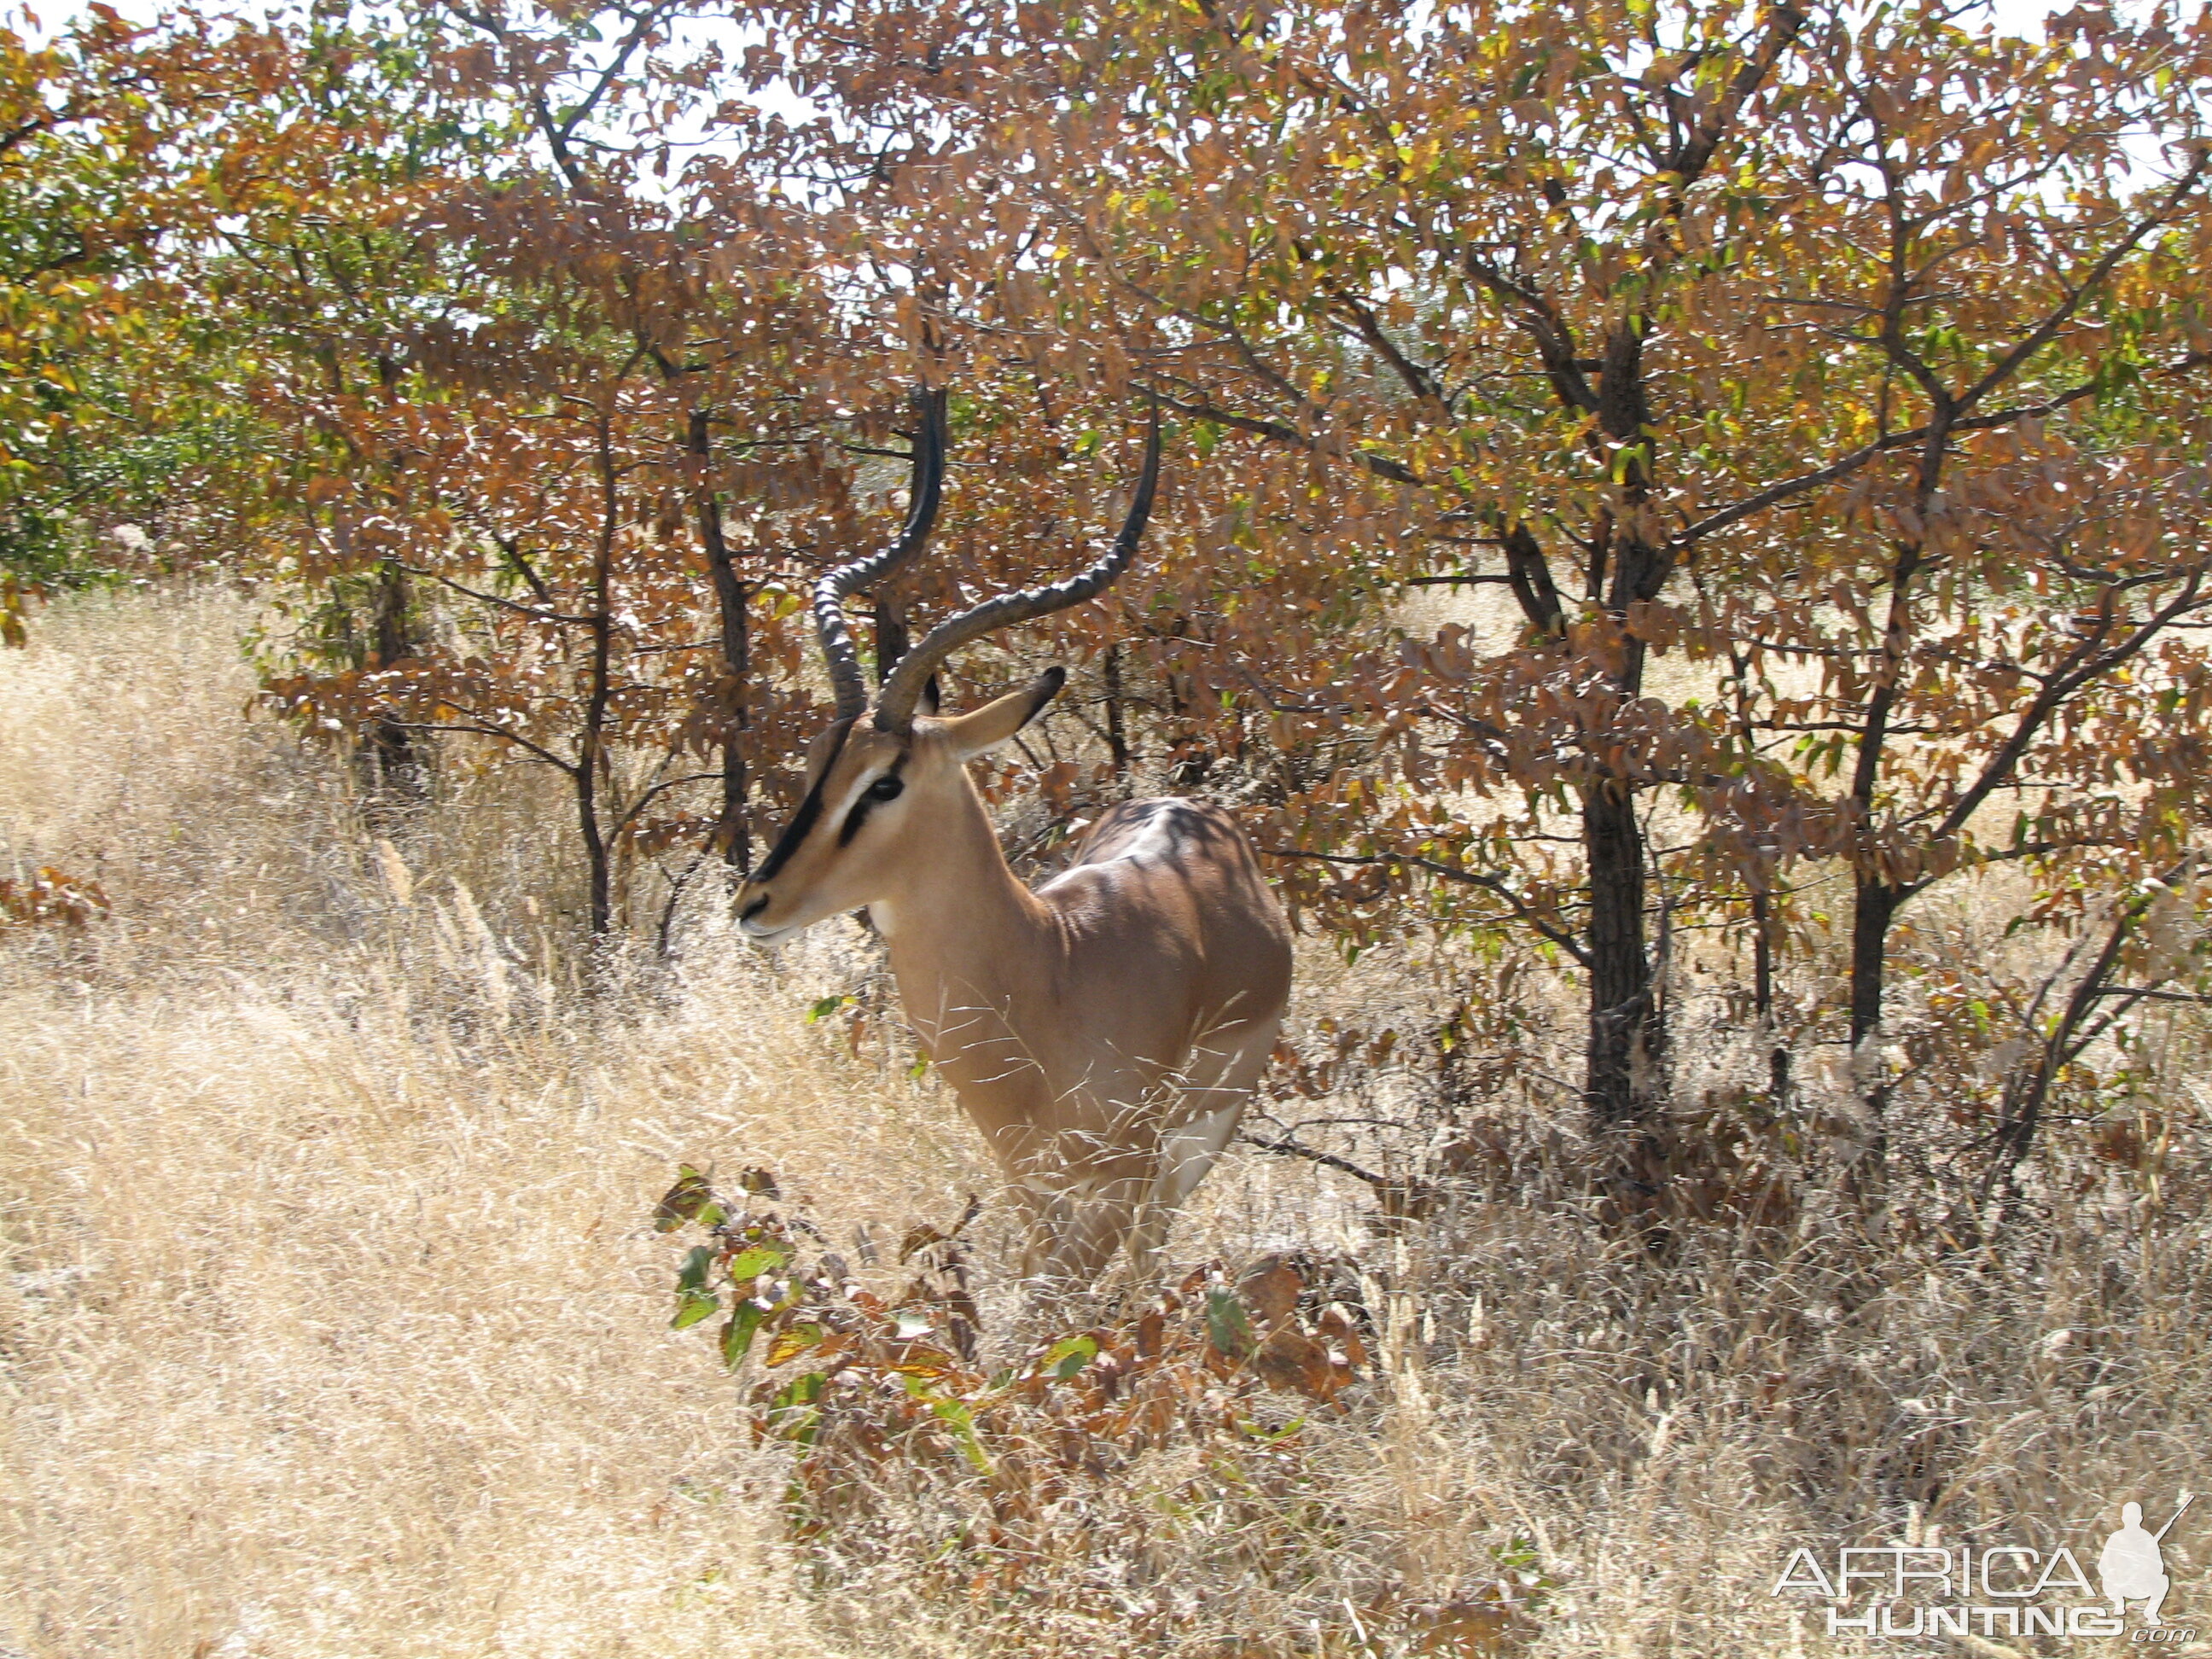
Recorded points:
(1271, 1288)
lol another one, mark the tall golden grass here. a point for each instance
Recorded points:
(331, 1322)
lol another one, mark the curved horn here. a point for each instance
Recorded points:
(926, 490)
(895, 705)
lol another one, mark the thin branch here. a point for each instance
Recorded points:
(531, 611)
(629, 814)
(1845, 465)
(2007, 366)
(1522, 911)
(487, 731)
(1328, 1160)
(1419, 380)
(2085, 663)
(1381, 466)
(512, 546)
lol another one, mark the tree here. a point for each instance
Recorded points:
(1539, 299)
(1817, 392)
(520, 380)
(97, 426)
(1995, 605)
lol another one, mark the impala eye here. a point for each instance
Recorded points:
(885, 788)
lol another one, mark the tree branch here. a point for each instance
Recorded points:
(488, 731)
(2007, 366)
(1522, 911)
(532, 611)
(1381, 466)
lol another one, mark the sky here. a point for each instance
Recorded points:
(2013, 16)
(2020, 17)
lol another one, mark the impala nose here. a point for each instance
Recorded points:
(754, 908)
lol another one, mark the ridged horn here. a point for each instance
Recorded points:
(894, 704)
(925, 490)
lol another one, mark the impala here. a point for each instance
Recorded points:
(1105, 1030)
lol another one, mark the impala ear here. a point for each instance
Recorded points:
(932, 699)
(986, 727)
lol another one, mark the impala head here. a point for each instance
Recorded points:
(884, 772)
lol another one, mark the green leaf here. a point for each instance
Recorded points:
(956, 1415)
(791, 1343)
(1518, 1554)
(752, 1262)
(1067, 1357)
(690, 1200)
(737, 1333)
(692, 1275)
(692, 1306)
(786, 1416)
(1228, 1327)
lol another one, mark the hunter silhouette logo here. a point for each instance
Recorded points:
(2130, 1565)
(1922, 1588)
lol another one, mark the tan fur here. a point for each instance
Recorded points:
(1104, 1032)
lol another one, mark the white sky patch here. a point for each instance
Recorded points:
(697, 136)
(2018, 17)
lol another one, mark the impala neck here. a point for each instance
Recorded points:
(962, 930)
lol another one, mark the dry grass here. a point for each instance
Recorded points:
(330, 1325)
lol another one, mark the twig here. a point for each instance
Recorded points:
(1329, 1160)
(1521, 910)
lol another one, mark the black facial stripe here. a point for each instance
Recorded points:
(865, 805)
(802, 822)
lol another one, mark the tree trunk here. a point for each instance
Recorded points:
(395, 762)
(2029, 1086)
(1624, 1051)
(599, 886)
(733, 836)
(1117, 736)
(891, 639)
(1624, 1070)
(1875, 905)
(1762, 996)
(591, 750)
(1191, 758)
(1875, 895)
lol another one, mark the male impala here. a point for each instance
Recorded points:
(1104, 1032)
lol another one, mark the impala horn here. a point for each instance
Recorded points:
(895, 703)
(923, 495)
